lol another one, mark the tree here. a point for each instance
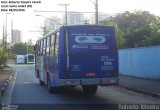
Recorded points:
(134, 20)
(121, 41)
(44, 31)
(30, 47)
(23, 48)
(139, 28)
(20, 48)
(3, 58)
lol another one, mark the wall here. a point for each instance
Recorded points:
(140, 62)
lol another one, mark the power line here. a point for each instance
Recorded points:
(63, 11)
(65, 6)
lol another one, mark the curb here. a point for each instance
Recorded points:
(6, 83)
(140, 91)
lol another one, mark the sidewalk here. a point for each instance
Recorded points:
(145, 86)
(5, 77)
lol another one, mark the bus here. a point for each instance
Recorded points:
(29, 58)
(20, 59)
(78, 55)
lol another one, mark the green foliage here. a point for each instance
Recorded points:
(121, 41)
(137, 29)
(3, 58)
(134, 20)
(31, 49)
(22, 48)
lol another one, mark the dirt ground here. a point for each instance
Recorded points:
(5, 77)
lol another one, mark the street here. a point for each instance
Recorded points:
(28, 91)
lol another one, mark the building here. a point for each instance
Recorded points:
(52, 23)
(74, 18)
(16, 36)
(101, 17)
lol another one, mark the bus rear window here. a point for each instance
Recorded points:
(90, 40)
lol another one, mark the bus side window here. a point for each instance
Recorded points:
(52, 44)
(41, 49)
(37, 48)
(44, 46)
(47, 45)
(50, 39)
(57, 44)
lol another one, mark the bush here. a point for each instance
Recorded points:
(3, 58)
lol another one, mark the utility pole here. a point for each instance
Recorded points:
(3, 45)
(96, 6)
(6, 35)
(65, 5)
(11, 31)
(5, 40)
(96, 10)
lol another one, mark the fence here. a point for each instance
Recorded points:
(141, 62)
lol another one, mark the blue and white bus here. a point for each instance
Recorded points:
(29, 58)
(79, 55)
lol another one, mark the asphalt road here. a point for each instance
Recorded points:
(28, 91)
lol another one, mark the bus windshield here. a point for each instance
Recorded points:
(90, 39)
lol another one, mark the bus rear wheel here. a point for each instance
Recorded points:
(89, 89)
(41, 82)
(50, 88)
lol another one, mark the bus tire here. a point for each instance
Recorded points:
(41, 82)
(37, 74)
(89, 89)
(50, 88)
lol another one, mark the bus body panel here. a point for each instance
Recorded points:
(62, 57)
(56, 82)
(89, 60)
(52, 68)
(40, 68)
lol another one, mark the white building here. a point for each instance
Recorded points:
(74, 18)
(16, 36)
(52, 23)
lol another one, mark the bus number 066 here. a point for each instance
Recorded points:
(108, 63)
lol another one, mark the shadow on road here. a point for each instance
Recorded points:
(76, 93)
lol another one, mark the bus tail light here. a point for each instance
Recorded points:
(91, 74)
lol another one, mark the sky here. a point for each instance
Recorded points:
(28, 23)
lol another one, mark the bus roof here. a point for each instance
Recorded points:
(50, 33)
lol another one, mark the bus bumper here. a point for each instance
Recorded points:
(93, 81)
